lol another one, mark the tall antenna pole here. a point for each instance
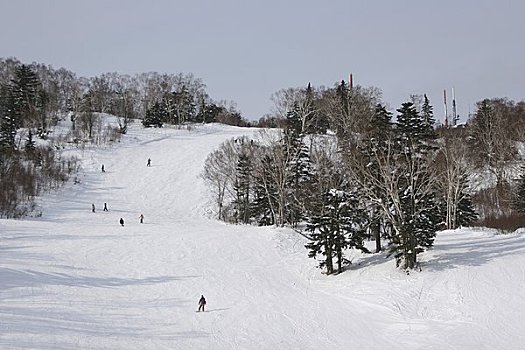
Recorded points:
(445, 107)
(454, 114)
(350, 81)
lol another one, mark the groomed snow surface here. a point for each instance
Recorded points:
(73, 279)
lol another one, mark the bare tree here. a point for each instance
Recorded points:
(280, 153)
(219, 173)
(451, 167)
(487, 146)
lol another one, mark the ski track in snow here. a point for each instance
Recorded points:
(73, 279)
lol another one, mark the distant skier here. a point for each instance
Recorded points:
(141, 217)
(122, 221)
(149, 162)
(105, 207)
(103, 170)
(202, 302)
(93, 207)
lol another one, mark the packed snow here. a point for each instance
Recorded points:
(74, 279)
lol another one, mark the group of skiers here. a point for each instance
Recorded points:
(121, 221)
(202, 300)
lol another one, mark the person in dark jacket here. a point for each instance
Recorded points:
(122, 221)
(202, 302)
(103, 170)
(149, 162)
(93, 207)
(105, 207)
(141, 217)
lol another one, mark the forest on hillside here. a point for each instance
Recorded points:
(331, 162)
(36, 97)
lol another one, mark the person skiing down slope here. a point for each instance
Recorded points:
(122, 221)
(202, 302)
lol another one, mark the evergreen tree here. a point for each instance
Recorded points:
(465, 213)
(28, 98)
(264, 193)
(208, 113)
(418, 216)
(298, 166)
(293, 128)
(30, 146)
(410, 127)
(336, 225)
(301, 177)
(427, 115)
(8, 128)
(181, 106)
(343, 95)
(155, 116)
(242, 185)
(518, 202)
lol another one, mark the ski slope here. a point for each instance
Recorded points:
(73, 279)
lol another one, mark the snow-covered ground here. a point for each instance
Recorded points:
(73, 279)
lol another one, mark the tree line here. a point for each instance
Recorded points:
(340, 170)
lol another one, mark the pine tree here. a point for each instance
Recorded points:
(264, 194)
(465, 213)
(298, 166)
(181, 106)
(418, 217)
(242, 186)
(336, 225)
(427, 115)
(343, 95)
(293, 128)
(28, 98)
(300, 169)
(243, 180)
(30, 145)
(155, 116)
(410, 127)
(518, 202)
(8, 128)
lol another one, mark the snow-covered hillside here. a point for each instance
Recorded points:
(73, 279)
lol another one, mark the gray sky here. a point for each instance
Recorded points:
(246, 50)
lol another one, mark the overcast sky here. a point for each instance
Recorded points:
(246, 50)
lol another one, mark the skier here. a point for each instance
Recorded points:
(149, 162)
(103, 168)
(122, 221)
(93, 207)
(202, 302)
(141, 217)
(105, 207)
